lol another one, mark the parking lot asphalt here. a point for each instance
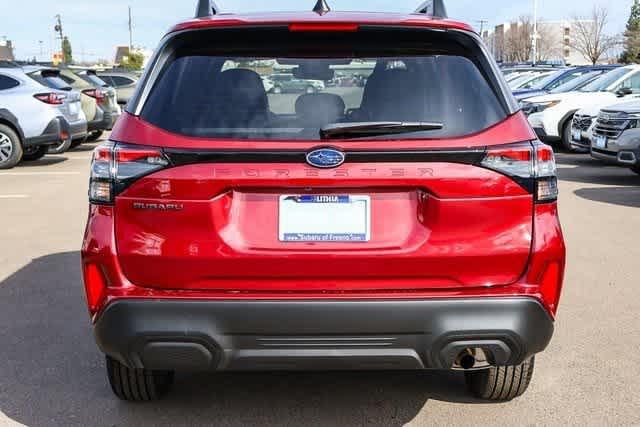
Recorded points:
(51, 372)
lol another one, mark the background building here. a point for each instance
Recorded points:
(6, 50)
(511, 42)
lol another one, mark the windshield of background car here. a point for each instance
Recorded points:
(244, 92)
(604, 82)
(578, 82)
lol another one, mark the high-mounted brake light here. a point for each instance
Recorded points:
(51, 98)
(321, 27)
(116, 166)
(532, 164)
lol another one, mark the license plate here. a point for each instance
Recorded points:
(576, 135)
(601, 142)
(325, 218)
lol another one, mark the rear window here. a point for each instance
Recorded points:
(93, 79)
(238, 93)
(50, 79)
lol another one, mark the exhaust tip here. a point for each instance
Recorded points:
(471, 359)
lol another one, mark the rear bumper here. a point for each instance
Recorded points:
(628, 158)
(57, 131)
(319, 335)
(103, 121)
(623, 151)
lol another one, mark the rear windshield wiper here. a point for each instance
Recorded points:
(364, 129)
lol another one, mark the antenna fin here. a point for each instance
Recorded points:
(206, 8)
(434, 8)
(321, 7)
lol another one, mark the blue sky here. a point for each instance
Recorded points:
(95, 27)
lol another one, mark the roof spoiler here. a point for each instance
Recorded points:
(206, 8)
(434, 8)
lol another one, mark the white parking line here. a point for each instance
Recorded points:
(14, 196)
(37, 173)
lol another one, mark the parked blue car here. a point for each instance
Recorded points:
(557, 79)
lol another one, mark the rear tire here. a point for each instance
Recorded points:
(34, 153)
(60, 148)
(566, 137)
(137, 385)
(501, 383)
(10, 147)
(94, 136)
(77, 142)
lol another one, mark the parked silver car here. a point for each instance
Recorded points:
(34, 117)
(616, 135)
(124, 82)
(51, 78)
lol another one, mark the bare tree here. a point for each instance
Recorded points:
(589, 37)
(517, 41)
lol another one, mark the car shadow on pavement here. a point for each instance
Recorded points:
(581, 168)
(47, 160)
(87, 146)
(622, 196)
(51, 373)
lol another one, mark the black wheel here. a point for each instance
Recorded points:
(501, 382)
(10, 147)
(32, 154)
(76, 142)
(566, 137)
(137, 385)
(94, 136)
(59, 148)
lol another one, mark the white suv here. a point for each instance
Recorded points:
(34, 117)
(551, 115)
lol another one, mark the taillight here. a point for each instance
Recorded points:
(116, 166)
(98, 94)
(533, 165)
(51, 98)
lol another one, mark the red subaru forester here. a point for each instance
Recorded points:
(322, 191)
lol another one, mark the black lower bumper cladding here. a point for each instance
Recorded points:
(319, 335)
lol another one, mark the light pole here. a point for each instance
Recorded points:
(534, 37)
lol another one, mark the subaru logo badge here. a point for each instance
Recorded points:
(325, 158)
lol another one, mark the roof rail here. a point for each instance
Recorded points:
(434, 8)
(206, 8)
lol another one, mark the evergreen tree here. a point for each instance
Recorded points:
(66, 51)
(632, 35)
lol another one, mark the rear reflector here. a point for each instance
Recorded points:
(550, 285)
(95, 287)
(323, 27)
